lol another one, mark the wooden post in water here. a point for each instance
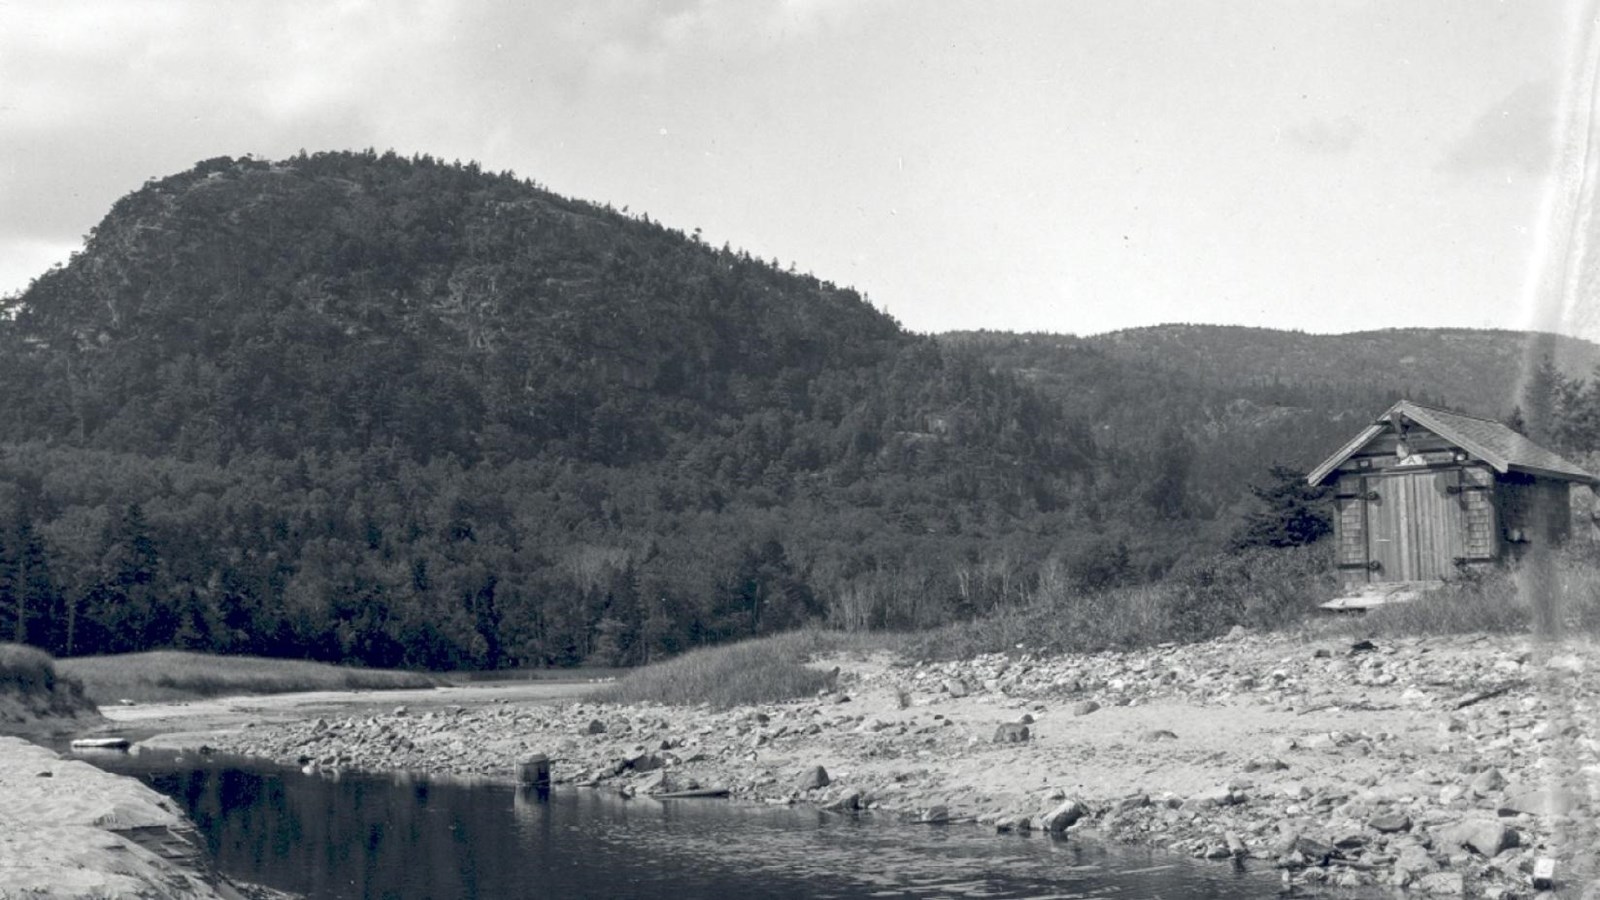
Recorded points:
(535, 770)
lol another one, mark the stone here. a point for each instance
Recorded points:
(1063, 817)
(934, 815)
(1544, 874)
(1444, 884)
(644, 762)
(1488, 782)
(814, 777)
(955, 687)
(1547, 802)
(595, 726)
(1010, 823)
(849, 801)
(1011, 733)
(1157, 734)
(1390, 823)
(1084, 707)
(1481, 836)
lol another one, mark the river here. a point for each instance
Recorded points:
(366, 836)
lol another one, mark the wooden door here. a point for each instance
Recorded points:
(1416, 526)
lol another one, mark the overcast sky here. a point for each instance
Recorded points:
(1057, 166)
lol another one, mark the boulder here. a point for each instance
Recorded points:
(1063, 817)
(595, 726)
(1157, 734)
(1488, 782)
(1390, 823)
(1548, 802)
(955, 687)
(1011, 733)
(814, 777)
(849, 801)
(1084, 707)
(1482, 836)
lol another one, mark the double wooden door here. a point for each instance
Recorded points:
(1416, 525)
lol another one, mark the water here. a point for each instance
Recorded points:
(398, 837)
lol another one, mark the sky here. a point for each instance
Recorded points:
(1073, 166)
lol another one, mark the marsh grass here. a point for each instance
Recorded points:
(31, 686)
(761, 670)
(166, 675)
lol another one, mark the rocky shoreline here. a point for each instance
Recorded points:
(1445, 766)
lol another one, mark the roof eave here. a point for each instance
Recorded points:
(1320, 473)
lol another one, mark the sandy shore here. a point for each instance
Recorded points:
(70, 830)
(1445, 766)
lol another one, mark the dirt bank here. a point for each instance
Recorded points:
(1444, 765)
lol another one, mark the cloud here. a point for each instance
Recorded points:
(1321, 136)
(1513, 135)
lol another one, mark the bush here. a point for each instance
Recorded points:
(26, 670)
(1259, 588)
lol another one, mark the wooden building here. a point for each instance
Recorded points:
(1422, 494)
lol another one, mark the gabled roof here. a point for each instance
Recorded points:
(1485, 439)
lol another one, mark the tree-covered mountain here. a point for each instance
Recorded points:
(366, 407)
(401, 412)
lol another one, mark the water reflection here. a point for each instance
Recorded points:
(405, 837)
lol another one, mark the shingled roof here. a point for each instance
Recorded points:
(1486, 439)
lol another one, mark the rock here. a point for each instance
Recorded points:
(850, 801)
(1362, 647)
(644, 762)
(1063, 817)
(595, 726)
(1488, 782)
(1482, 836)
(934, 815)
(1007, 824)
(1157, 734)
(814, 777)
(1084, 707)
(1544, 874)
(1265, 764)
(1548, 802)
(1390, 823)
(955, 687)
(1446, 884)
(1011, 733)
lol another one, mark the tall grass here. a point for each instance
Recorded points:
(761, 670)
(28, 677)
(166, 675)
(1548, 595)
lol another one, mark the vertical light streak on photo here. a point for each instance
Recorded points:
(1559, 297)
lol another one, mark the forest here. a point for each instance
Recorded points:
(400, 412)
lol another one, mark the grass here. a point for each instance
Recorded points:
(761, 670)
(1549, 596)
(31, 687)
(166, 675)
